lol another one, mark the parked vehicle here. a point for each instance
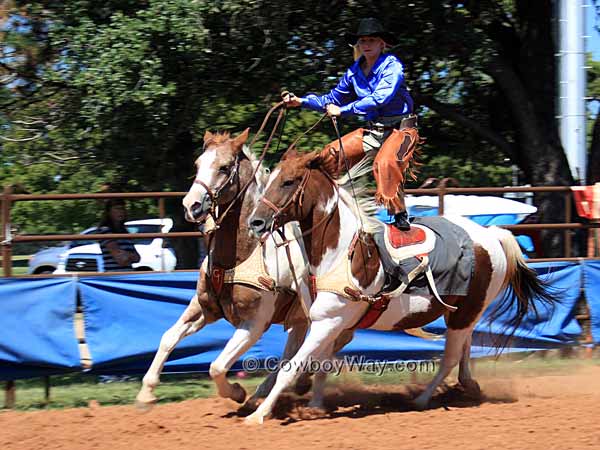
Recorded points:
(86, 256)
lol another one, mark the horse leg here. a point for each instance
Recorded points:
(243, 338)
(453, 354)
(191, 321)
(319, 379)
(318, 398)
(464, 371)
(295, 338)
(322, 333)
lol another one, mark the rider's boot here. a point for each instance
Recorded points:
(401, 221)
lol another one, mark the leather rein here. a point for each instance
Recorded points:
(234, 174)
(296, 200)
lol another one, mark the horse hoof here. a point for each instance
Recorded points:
(238, 393)
(254, 419)
(252, 404)
(420, 404)
(471, 388)
(144, 406)
(303, 384)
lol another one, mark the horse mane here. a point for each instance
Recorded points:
(355, 182)
(262, 173)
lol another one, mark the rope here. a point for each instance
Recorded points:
(343, 155)
(221, 217)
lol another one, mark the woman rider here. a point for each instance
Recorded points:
(374, 90)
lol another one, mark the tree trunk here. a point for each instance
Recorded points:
(541, 158)
(593, 175)
(176, 171)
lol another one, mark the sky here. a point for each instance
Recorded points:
(593, 42)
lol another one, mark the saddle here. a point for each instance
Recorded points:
(397, 245)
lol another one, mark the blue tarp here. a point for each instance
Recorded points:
(554, 327)
(37, 336)
(116, 306)
(126, 315)
(591, 284)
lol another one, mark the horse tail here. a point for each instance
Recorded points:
(530, 292)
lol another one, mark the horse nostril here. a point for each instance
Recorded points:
(196, 209)
(257, 224)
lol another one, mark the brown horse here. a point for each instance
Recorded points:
(349, 273)
(248, 284)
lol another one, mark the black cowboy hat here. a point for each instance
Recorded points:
(371, 27)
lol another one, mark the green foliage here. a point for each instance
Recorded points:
(468, 172)
(121, 92)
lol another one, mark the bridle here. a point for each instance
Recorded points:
(279, 212)
(214, 196)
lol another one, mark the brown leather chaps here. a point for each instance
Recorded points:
(390, 165)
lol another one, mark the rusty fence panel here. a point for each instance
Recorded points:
(8, 198)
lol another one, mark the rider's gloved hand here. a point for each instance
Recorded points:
(290, 100)
(333, 110)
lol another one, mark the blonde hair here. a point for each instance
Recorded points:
(357, 54)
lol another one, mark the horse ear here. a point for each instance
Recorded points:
(208, 136)
(241, 138)
(290, 153)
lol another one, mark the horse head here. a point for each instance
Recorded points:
(295, 186)
(218, 175)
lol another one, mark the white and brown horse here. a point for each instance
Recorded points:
(250, 296)
(299, 190)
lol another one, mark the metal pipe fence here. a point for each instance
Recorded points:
(8, 198)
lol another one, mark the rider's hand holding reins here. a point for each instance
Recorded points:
(290, 100)
(333, 110)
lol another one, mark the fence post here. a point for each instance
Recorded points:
(161, 215)
(568, 218)
(10, 395)
(6, 232)
(47, 390)
(441, 193)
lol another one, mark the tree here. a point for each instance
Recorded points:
(131, 85)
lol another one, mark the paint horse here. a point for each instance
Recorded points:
(349, 273)
(248, 284)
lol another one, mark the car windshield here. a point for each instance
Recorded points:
(140, 228)
(143, 228)
(85, 241)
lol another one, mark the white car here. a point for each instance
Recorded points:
(86, 256)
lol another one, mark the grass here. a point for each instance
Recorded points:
(16, 271)
(19, 265)
(72, 391)
(78, 390)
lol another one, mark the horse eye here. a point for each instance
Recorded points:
(224, 169)
(288, 183)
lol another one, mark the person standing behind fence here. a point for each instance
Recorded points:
(117, 254)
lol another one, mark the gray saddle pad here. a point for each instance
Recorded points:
(451, 261)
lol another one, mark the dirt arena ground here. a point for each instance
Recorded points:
(541, 412)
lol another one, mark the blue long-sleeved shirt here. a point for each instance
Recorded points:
(381, 93)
